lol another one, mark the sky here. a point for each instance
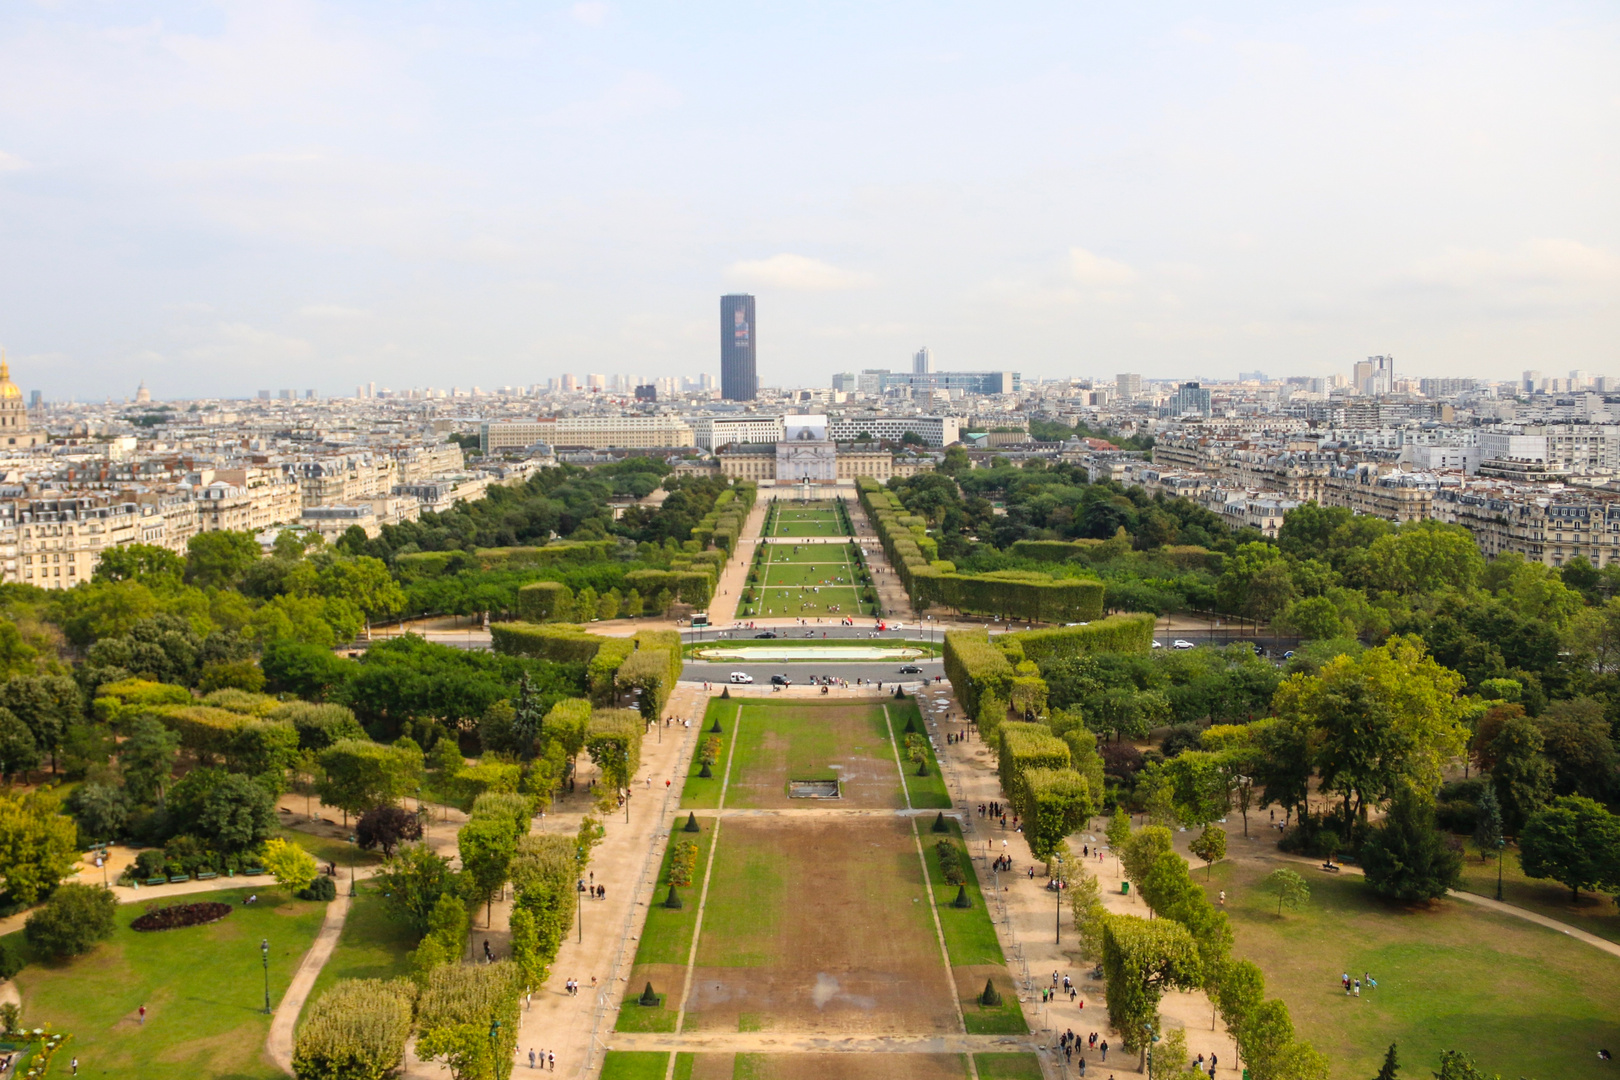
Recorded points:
(217, 198)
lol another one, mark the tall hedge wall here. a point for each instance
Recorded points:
(1053, 550)
(980, 674)
(1115, 634)
(560, 642)
(544, 601)
(357, 1028)
(1024, 747)
(689, 586)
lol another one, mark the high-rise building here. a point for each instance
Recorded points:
(1128, 386)
(922, 363)
(570, 382)
(739, 378)
(1531, 380)
(596, 382)
(706, 381)
(1375, 376)
(1191, 398)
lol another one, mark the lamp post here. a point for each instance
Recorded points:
(1058, 918)
(1500, 844)
(1152, 1038)
(494, 1050)
(264, 951)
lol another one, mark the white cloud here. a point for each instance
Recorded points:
(333, 312)
(11, 163)
(797, 272)
(589, 14)
(1089, 268)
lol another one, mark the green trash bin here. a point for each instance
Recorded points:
(1125, 888)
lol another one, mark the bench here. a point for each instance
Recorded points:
(1330, 868)
(175, 879)
(157, 881)
(207, 875)
(253, 871)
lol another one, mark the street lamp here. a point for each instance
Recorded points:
(579, 906)
(1152, 1038)
(1500, 844)
(1058, 918)
(494, 1031)
(264, 951)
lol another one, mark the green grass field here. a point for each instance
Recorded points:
(805, 519)
(1521, 999)
(666, 938)
(635, 1065)
(372, 945)
(970, 939)
(203, 988)
(814, 579)
(1008, 1066)
(699, 792)
(1595, 913)
(926, 792)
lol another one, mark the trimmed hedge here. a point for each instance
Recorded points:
(613, 739)
(689, 586)
(545, 601)
(1023, 747)
(356, 1031)
(562, 643)
(1055, 803)
(1053, 550)
(646, 670)
(1115, 634)
(981, 676)
(543, 875)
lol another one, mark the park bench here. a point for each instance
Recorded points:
(207, 875)
(157, 881)
(1330, 868)
(175, 879)
(253, 871)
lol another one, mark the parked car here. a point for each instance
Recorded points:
(1180, 644)
(781, 680)
(1157, 644)
(765, 634)
(910, 669)
(1289, 655)
(741, 677)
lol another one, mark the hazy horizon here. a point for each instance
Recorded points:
(223, 198)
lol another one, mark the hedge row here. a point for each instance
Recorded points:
(723, 524)
(613, 739)
(1023, 747)
(981, 675)
(1052, 550)
(544, 872)
(357, 1029)
(426, 564)
(1115, 634)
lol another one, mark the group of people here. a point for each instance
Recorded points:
(1352, 987)
(1069, 1043)
(543, 1059)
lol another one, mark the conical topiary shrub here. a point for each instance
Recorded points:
(673, 900)
(691, 823)
(961, 901)
(922, 768)
(899, 693)
(705, 773)
(726, 692)
(648, 997)
(939, 823)
(989, 999)
(911, 725)
(715, 727)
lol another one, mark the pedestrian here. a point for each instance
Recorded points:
(75, 1066)
(1358, 988)
(551, 1060)
(143, 1015)
(1223, 898)
(1103, 1049)
(531, 1057)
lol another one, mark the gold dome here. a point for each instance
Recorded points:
(8, 389)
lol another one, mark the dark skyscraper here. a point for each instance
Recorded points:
(738, 381)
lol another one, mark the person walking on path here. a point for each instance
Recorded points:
(531, 1057)
(551, 1061)
(1104, 1049)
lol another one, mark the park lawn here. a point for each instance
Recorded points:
(811, 520)
(970, 940)
(684, 1060)
(1521, 999)
(1008, 1066)
(744, 906)
(328, 850)
(666, 937)
(203, 988)
(926, 792)
(786, 736)
(699, 792)
(1595, 913)
(635, 1065)
(373, 945)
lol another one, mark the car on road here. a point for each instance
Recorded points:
(1181, 644)
(741, 677)
(781, 680)
(1289, 655)
(764, 634)
(910, 669)
(1157, 644)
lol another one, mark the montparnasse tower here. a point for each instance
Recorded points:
(15, 429)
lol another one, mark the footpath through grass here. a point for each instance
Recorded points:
(203, 988)
(1594, 913)
(1521, 999)
(372, 946)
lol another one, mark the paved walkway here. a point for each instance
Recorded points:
(284, 1024)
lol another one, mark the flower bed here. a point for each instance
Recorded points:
(177, 915)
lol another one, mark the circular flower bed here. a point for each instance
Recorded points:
(177, 915)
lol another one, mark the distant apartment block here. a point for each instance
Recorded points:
(590, 432)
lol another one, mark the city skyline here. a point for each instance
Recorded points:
(1056, 191)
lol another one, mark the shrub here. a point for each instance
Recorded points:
(950, 862)
(73, 921)
(176, 916)
(322, 889)
(683, 862)
(12, 957)
(356, 1031)
(386, 827)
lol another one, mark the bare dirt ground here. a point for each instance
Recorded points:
(813, 742)
(849, 946)
(840, 1066)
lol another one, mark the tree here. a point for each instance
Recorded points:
(487, 845)
(293, 867)
(1292, 891)
(412, 883)
(72, 922)
(1169, 1056)
(1142, 960)
(1575, 842)
(1520, 773)
(1142, 849)
(47, 704)
(386, 827)
(238, 814)
(151, 565)
(446, 937)
(357, 774)
(1405, 857)
(1488, 837)
(147, 760)
(1387, 1071)
(1199, 785)
(219, 559)
(1210, 846)
(1055, 803)
(100, 810)
(526, 954)
(38, 846)
(18, 752)
(1119, 829)
(1455, 1065)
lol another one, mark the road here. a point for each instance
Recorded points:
(801, 670)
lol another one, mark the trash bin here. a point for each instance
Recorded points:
(1125, 888)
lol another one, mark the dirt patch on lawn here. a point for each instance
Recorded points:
(815, 742)
(849, 1067)
(819, 925)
